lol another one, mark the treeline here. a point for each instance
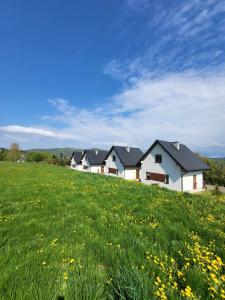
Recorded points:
(16, 155)
(216, 174)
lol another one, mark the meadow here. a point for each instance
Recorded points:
(71, 235)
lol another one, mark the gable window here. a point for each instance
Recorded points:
(114, 157)
(167, 179)
(158, 158)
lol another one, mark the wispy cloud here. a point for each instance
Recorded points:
(32, 132)
(185, 107)
(181, 36)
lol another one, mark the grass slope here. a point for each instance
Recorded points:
(71, 235)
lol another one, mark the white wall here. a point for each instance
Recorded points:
(130, 173)
(96, 169)
(75, 166)
(85, 163)
(188, 181)
(168, 166)
(79, 167)
(114, 164)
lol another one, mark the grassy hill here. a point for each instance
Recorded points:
(71, 235)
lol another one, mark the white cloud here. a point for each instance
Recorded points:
(33, 131)
(184, 107)
(26, 130)
(169, 38)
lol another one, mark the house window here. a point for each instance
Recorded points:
(158, 158)
(114, 157)
(73, 166)
(148, 176)
(156, 177)
(113, 171)
(167, 179)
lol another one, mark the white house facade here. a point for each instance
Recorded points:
(93, 161)
(76, 160)
(122, 162)
(174, 166)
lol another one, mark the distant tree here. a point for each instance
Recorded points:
(216, 174)
(61, 155)
(37, 157)
(61, 162)
(216, 191)
(14, 152)
(2, 154)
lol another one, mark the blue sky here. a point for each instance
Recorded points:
(97, 73)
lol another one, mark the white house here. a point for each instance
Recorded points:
(76, 160)
(174, 166)
(93, 161)
(122, 162)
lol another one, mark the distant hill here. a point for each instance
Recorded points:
(67, 151)
(218, 160)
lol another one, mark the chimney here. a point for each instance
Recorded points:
(96, 151)
(176, 145)
(128, 149)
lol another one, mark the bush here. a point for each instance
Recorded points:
(216, 191)
(37, 157)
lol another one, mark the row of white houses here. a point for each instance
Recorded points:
(167, 164)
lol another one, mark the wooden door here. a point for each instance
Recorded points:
(102, 169)
(194, 182)
(138, 174)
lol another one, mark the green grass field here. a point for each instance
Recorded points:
(71, 235)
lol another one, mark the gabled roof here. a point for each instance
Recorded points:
(184, 157)
(95, 157)
(77, 156)
(128, 158)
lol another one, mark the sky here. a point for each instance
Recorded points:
(126, 72)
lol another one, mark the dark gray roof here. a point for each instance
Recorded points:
(77, 156)
(96, 157)
(184, 157)
(128, 158)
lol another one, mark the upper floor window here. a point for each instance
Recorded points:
(158, 158)
(114, 157)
